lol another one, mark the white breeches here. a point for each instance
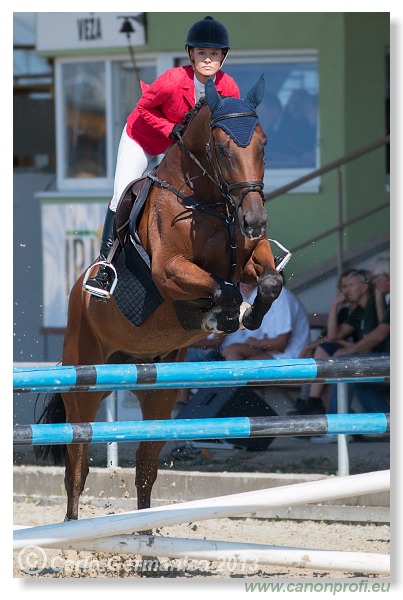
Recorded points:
(131, 163)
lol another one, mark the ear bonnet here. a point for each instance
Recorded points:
(241, 127)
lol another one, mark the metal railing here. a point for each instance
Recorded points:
(341, 224)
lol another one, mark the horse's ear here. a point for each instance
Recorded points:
(213, 98)
(255, 95)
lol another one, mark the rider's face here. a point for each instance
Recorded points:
(206, 62)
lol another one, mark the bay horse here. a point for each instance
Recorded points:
(204, 228)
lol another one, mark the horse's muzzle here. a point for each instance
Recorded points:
(253, 227)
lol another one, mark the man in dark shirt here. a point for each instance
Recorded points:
(362, 319)
(373, 397)
(373, 335)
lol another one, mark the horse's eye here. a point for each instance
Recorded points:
(221, 151)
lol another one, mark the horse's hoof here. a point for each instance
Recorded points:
(228, 322)
(210, 321)
(249, 321)
(242, 310)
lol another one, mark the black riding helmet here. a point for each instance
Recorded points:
(207, 33)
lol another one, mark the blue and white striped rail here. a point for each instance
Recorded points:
(198, 374)
(191, 429)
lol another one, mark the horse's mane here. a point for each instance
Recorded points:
(189, 116)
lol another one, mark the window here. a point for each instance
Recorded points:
(84, 116)
(33, 103)
(28, 67)
(94, 100)
(126, 92)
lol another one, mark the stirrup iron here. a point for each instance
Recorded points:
(281, 261)
(100, 293)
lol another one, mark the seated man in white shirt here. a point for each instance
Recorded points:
(283, 333)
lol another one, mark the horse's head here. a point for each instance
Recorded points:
(236, 155)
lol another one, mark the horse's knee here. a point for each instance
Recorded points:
(270, 286)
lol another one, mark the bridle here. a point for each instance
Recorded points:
(224, 186)
(218, 179)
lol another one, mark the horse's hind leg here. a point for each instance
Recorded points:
(81, 407)
(155, 404)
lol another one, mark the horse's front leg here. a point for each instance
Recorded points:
(261, 267)
(228, 300)
(269, 288)
(180, 279)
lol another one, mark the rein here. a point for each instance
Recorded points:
(225, 188)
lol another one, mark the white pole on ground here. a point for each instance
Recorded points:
(210, 508)
(231, 555)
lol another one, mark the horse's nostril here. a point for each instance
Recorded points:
(252, 232)
(254, 228)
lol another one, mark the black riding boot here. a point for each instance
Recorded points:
(100, 285)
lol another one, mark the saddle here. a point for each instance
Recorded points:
(134, 197)
(136, 295)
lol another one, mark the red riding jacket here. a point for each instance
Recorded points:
(164, 103)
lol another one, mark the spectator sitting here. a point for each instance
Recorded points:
(376, 340)
(283, 333)
(338, 313)
(361, 320)
(371, 396)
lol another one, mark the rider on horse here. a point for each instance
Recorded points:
(151, 127)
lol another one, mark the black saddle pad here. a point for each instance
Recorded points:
(136, 294)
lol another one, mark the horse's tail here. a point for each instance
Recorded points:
(53, 412)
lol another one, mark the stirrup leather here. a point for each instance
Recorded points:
(100, 293)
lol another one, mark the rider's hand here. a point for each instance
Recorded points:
(176, 132)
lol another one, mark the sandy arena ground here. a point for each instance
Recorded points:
(308, 534)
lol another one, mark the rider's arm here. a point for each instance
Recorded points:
(162, 92)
